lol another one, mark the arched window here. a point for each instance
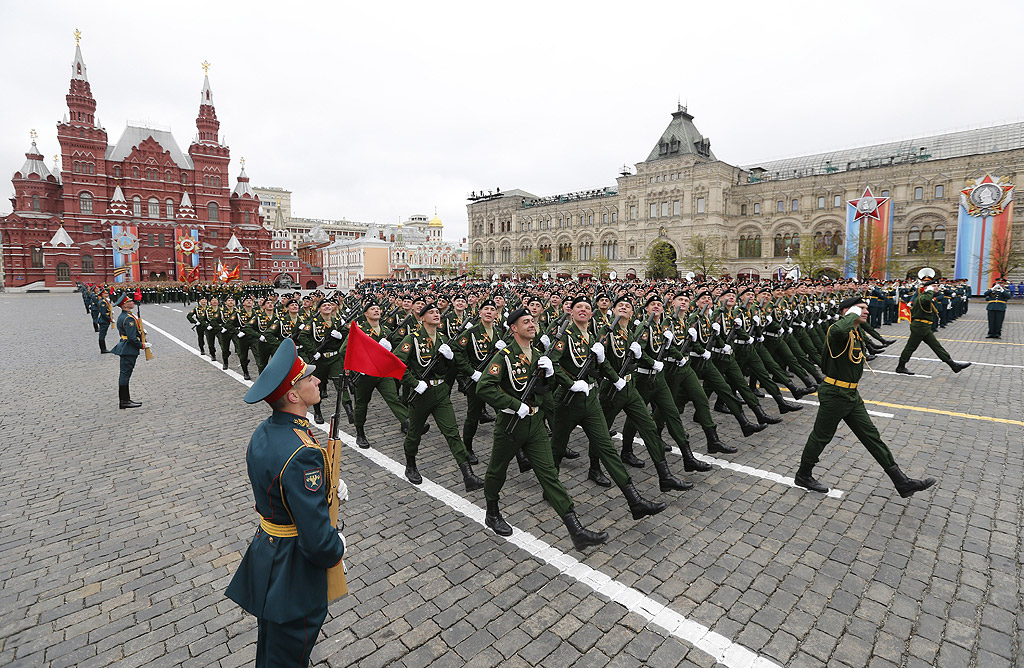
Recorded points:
(37, 257)
(135, 172)
(169, 208)
(63, 272)
(137, 206)
(778, 247)
(939, 235)
(212, 211)
(117, 171)
(796, 244)
(154, 207)
(85, 202)
(742, 250)
(35, 202)
(913, 239)
(87, 264)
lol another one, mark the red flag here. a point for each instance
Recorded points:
(903, 313)
(138, 295)
(365, 355)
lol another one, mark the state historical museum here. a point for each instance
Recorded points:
(117, 212)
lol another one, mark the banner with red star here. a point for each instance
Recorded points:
(868, 222)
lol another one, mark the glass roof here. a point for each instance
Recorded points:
(936, 147)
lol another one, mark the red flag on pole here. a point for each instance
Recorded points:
(138, 295)
(365, 355)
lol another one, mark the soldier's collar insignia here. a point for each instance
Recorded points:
(302, 422)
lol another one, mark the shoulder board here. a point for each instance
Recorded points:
(307, 440)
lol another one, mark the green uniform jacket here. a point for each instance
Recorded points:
(505, 378)
(843, 358)
(923, 312)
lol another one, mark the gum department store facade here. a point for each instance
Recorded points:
(759, 212)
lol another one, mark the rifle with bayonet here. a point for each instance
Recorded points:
(535, 378)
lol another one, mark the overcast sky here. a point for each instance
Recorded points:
(376, 111)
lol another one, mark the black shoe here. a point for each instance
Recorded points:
(804, 479)
(639, 506)
(902, 368)
(524, 462)
(611, 433)
(907, 486)
(348, 412)
(361, 438)
(715, 444)
(486, 417)
(888, 342)
(213, 357)
(570, 453)
(582, 537)
(125, 399)
(597, 475)
(801, 392)
(411, 474)
(691, 463)
(720, 407)
(818, 378)
(787, 406)
(668, 483)
(103, 348)
(870, 357)
(758, 392)
(495, 521)
(957, 367)
(245, 374)
(317, 415)
(225, 365)
(471, 481)
(991, 336)
(631, 459)
(95, 327)
(764, 418)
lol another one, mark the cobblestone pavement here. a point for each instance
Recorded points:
(121, 529)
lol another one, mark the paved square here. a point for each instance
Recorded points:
(121, 529)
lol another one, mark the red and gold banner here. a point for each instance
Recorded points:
(125, 247)
(186, 253)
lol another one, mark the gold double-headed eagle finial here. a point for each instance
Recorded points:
(33, 134)
(206, 67)
(78, 36)
(243, 163)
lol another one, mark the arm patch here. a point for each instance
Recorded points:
(406, 347)
(494, 369)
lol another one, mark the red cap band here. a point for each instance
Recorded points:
(298, 368)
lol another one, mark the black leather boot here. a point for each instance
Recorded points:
(804, 479)
(748, 427)
(888, 342)
(486, 416)
(523, 461)
(494, 520)
(667, 482)
(317, 415)
(798, 392)
(720, 406)
(638, 505)
(691, 463)
(715, 444)
(907, 486)
(361, 438)
(628, 457)
(597, 475)
(411, 473)
(471, 481)
(786, 406)
(95, 327)
(570, 453)
(582, 537)
(758, 392)
(103, 347)
(902, 368)
(764, 418)
(125, 398)
(245, 372)
(224, 359)
(347, 405)
(957, 367)
(812, 387)
(816, 375)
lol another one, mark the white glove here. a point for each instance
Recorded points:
(706, 354)
(768, 320)
(223, 330)
(750, 340)
(445, 351)
(856, 310)
(263, 338)
(545, 340)
(757, 320)
(820, 321)
(342, 490)
(693, 334)
(658, 365)
(619, 384)
(147, 345)
(790, 330)
(316, 356)
(580, 386)
(718, 328)
(341, 323)
(523, 411)
(668, 335)
(635, 349)
(499, 344)
(476, 377)
(802, 324)
(544, 362)
(760, 339)
(788, 313)
(683, 361)
(209, 327)
(738, 321)
(241, 335)
(385, 344)
(598, 349)
(727, 349)
(335, 334)
(832, 301)
(344, 543)
(930, 289)
(421, 387)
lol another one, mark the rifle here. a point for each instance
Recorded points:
(627, 355)
(532, 383)
(429, 369)
(345, 317)
(589, 363)
(142, 336)
(336, 585)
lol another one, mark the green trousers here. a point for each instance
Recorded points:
(365, 385)
(638, 419)
(783, 356)
(264, 351)
(653, 390)
(777, 373)
(807, 343)
(922, 333)
(714, 383)
(804, 357)
(843, 404)
(730, 371)
(750, 362)
(530, 436)
(685, 386)
(211, 338)
(329, 369)
(474, 408)
(585, 411)
(435, 401)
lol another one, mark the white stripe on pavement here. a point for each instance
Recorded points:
(715, 645)
(932, 359)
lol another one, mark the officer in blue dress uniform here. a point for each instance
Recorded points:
(129, 327)
(282, 579)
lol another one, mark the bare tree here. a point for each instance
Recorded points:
(704, 256)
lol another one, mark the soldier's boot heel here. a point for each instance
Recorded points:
(125, 395)
(818, 378)
(495, 521)
(957, 367)
(317, 415)
(720, 406)
(902, 368)
(471, 481)
(582, 537)
(473, 459)
(907, 486)
(103, 348)
(786, 406)
(629, 457)
(638, 505)
(245, 373)
(667, 482)
(715, 444)
(798, 392)
(805, 479)
(748, 427)
(411, 473)
(596, 475)
(691, 463)
(224, 360)
(570, 453)
(524, 462)
(361, 438)
(764, 418)
(486, 416)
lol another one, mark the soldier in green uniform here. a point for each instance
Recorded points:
(130, 329)
(197, 317)
(212, 326)
(282, 579)
(474, 347)
(323, 336)
(431, 395)
(995, 305)
(265, 330)
(365, 385)
(226, 322)
(242, 339)
(843, 364)
(923, 316)
(503, 388)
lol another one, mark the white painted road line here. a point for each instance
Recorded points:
(932, 359)
(715, 645)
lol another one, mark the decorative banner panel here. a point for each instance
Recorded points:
(983, 232)
(873, 216)
(186, 252)
(125, 248)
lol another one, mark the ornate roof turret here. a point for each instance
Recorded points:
(206, 121)
(234, 245)
(33, 163)
(118, 206)
(61, 238)
(185, 209)
(56, 169)
(681, 137)
(243, 189)
(81, 105)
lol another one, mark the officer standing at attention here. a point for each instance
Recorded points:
(923, 317)
(282, 579)
(995, 304)
(129, 327)
(843, 365)
(103, 318)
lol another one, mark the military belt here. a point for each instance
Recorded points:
(840, 383)
(996, 301)
(278, 530)
(124, 338)
(509, 411)
(774, 336)
(434, 382)
(927, 322)
(646, 372)
(330, 354)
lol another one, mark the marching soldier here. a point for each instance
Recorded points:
(473, 348)
(227, 321)
(264, 329)
(923, 316)
(130, 329)
(365, 385)
(243, 342)
(323, 335)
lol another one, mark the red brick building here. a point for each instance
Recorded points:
(143, 180)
